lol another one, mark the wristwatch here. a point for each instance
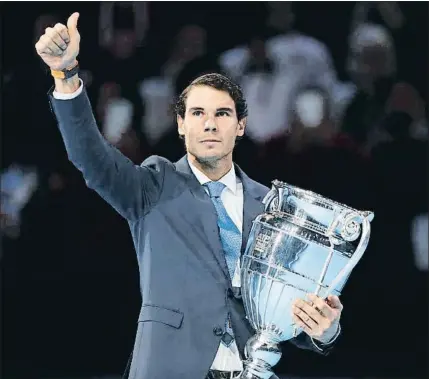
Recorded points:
(67, 73)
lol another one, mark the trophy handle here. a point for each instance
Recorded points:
(273, 200)
(269, 198)
(355, 258)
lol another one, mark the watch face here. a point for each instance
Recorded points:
(69, 73)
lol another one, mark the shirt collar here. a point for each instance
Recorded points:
(229, 179)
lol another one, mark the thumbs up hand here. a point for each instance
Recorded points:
(59, 46)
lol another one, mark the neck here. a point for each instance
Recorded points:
(215, 169)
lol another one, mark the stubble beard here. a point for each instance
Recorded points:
(209, 163)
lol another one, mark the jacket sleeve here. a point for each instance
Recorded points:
(303, 341)
(131, 190)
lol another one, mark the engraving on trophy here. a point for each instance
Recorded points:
(262, 244)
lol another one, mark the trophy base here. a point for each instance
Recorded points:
(249, 373)
(262, 352)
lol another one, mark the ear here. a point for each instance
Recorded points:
(241, 127)
(180, 123)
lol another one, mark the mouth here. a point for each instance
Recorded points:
(210, 141)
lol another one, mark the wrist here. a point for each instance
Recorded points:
(322, 346)
(327, 340)
(67, 80)
(70, 85)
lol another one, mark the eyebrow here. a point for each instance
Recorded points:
(225, 109)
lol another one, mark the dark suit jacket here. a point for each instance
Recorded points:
(185, 286)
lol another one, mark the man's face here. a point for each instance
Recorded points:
(210, 125)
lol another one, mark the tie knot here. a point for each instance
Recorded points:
(215, 188)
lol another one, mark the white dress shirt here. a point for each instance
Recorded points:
(68, 96)
(227, 358)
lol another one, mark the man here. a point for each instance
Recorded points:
(189, 221)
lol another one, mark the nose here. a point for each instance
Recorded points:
(210, 125)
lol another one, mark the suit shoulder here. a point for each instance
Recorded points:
(157, 163)
(262, 189)
(259, 188)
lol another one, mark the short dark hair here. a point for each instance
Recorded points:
(219, 82)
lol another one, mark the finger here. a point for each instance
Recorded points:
(56, 38)
(307, 320)
(334, 302)
(63, 32)
(308, 310)
(51, 45)
(43, 48)
(302, 325)
(322, 306)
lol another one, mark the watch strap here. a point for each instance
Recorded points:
(67, 73)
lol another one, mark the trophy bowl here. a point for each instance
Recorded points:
(303, 243)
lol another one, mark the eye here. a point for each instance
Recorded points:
(197, 113)
(222, 113)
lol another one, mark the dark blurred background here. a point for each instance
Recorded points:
(338, 104)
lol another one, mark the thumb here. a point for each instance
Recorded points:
(334, 302)
(72, 25)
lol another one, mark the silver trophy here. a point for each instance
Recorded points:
(303, 243)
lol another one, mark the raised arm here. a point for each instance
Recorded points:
(132, 190)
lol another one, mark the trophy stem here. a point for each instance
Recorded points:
(262, 352)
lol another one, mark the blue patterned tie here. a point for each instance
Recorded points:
(231, 241)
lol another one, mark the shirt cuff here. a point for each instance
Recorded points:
(318, 344)
(68, 96)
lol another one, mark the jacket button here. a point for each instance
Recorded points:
(217, 331)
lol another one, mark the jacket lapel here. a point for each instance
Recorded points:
(252, 205)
